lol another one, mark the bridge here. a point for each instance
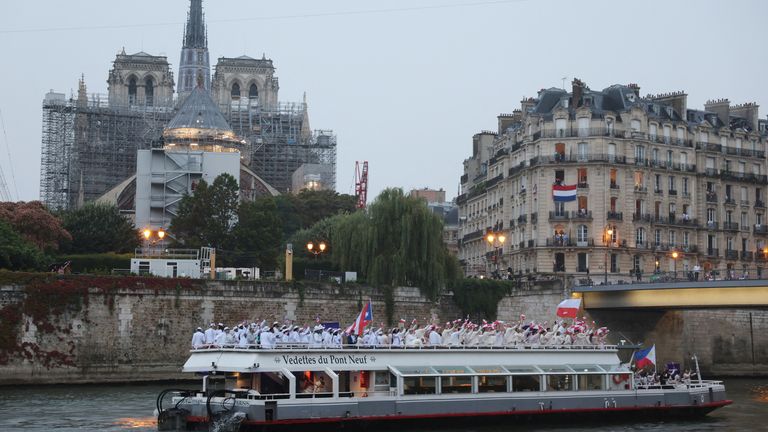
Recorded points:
(676, 295)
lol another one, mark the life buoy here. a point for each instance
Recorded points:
(618, 379)
(365, 394)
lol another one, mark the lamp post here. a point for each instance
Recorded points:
(608, 238)
(675, 256)
(148, 235)
(316, 250)
(496, 239)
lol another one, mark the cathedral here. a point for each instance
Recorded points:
(93, 144)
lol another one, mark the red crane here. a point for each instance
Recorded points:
(361, 183)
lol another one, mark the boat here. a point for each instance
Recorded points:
(296, 386)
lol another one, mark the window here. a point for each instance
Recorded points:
(728, 192)
(235, 91)
(581, 233)
(667, 134)
(582, 174)
(655, 155)
(611, 152)
(657, 237)
(559, 262)
(583, 264)
(758, 219)
(640, 153)
(640, 236)
(686, 238)
(149, 91)
(710, 215)
(680, 135)
(657, 183)
(672, 238)
(583, 151)
(253, 92)
(560, 127)
(584, 126)
(652, 131)
(744, 221)
(672, 185)
(582, 204)
(685, 186)
(614, 263)
(524, 383)
(704, 137)
(669, 158)
(635, 125)
(132, 90)
(559, 176)
(744, 196)
(639, 183)
(710, 163)
(613, 178)
(613, 204)
(756, 169)
(742, 167)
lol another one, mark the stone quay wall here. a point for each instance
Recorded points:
(143, 334)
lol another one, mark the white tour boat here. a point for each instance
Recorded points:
(265, 389)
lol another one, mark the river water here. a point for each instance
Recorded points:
(130, 407)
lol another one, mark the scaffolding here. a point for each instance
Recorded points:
(89, 146)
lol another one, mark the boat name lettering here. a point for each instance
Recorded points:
(327, 359)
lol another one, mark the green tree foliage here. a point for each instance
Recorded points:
(207, 217)
(479, 298)
(257, 236)
(16, 253)
(309, 207)
(399, 241)
(99, 228)
(35, 224)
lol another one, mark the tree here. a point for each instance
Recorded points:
(206, 217)
(309, 207)
(399, 241)
(35, 224)
(257, 236)
(99, 228)
(15, 252)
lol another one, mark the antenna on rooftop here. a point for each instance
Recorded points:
(564, 79)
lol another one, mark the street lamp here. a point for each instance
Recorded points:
(675, 255)
(608, 238)
(316, 250)
(148, 235)
(496, 240)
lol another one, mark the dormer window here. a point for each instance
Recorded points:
(631, 97)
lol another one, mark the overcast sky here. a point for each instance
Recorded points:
(403, 83)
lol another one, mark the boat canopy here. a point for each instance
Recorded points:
(504, 370)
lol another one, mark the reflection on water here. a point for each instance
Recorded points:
(129, 408)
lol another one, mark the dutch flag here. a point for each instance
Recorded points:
(564, 193)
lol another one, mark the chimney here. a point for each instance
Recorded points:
(721, 107)
(526, 104)
(578, 91)
(635, 88)
(678, 100)
(505, 121)
(748, 111)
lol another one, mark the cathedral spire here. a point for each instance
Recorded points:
(194, 64)
(194, 31)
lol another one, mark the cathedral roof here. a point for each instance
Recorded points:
(199, 112)
(194, 31)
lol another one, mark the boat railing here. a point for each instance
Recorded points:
(305, 347)
(695, 384)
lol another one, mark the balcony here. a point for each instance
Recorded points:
(560, 241)
(534, 217)
(522, 219)
(711, 197)
(585, 243)
(759, 204)
(744, 203)
(530, 243)
(658, 192)
(689, 248)
(582, 185)
(582, 215)
(641, 189)
(747, 255)
(713, 252)
(711, 147)
(561, 158)
(712, 225)
(615, 216)
(760, 256)
(760, 229)
(729, 201)
(685, 221)
(558, 216)
(614, 186)
(641, 217)
(730, 226)
(672, 192)
(731, 254)
(710, 172)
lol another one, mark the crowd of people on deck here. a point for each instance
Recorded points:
(670, 377)
(457, 333)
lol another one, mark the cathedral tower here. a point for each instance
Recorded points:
(194, 64)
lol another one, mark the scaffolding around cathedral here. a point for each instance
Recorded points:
(89, 145)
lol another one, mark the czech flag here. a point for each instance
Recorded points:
(646, 357)
(569, 308)
(564, 193)
(365, 318)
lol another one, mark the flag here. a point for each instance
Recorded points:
(564, 193)
(365, 318)
(568, 308)
(646, 357)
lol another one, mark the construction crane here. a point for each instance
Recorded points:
(361, 183)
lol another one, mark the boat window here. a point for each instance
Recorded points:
(591, 382)
(424, 370)
(452, 370)
(587, 369)
(523, 383)
(418, 385)
(620, 381)
(559, 382)
(488, 369)
(491, 384)
(523, 369)
(456, 384)
(556, 369)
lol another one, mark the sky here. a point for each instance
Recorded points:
(404, 84)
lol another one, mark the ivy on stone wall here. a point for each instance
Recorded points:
(479, 298)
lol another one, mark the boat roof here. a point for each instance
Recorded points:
(506, 360)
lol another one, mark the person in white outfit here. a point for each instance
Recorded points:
(198, 339)
(210, 334)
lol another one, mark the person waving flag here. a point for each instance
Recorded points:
(363, 319)
(646, 357)
(568, 308)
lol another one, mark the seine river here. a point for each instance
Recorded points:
(130, 407)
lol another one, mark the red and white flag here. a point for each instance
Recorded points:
(365, 318)
(568, 308)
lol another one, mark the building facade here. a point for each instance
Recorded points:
(643, 185)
